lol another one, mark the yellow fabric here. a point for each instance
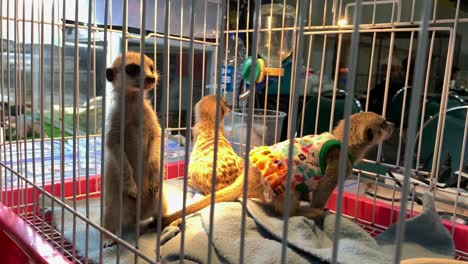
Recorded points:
(271, 164)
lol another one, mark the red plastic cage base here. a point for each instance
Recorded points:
(21, 244)
(362, 209)
(373, 219)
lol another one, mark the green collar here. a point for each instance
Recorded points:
(351, 158)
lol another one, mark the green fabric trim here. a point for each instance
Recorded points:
(351, 159)
(324, 153)
(302, 188)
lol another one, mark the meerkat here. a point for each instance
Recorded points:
(151, 142)
(314, 172)
(229, 164)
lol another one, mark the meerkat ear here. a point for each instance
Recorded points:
(369, 134)
(110, 74)
(224, 109)
(227, 109)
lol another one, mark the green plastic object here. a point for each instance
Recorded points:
(246, 66)
(325, 113)
(285, 82)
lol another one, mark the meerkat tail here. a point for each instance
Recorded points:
(227, 194)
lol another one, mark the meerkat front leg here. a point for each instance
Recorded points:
(154, 168)
(329, 181)
(154, 176)
(129, 184)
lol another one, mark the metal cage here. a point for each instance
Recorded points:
(403, 59)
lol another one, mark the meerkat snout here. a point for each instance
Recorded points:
(150, 80)
(133, 72)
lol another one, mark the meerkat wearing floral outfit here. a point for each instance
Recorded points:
(315, 168)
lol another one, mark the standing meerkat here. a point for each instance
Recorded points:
(315, 168)
(229, 164)
(151, 143)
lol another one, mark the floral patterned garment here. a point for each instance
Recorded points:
(309, 162)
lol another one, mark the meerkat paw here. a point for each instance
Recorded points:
(132, 191)
(166, 222)
(176, 223)
(153, 188)
(312, 213)
(108, 243)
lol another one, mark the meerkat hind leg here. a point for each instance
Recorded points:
(329, 181)
(311, 213)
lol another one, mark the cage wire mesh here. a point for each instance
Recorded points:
(286, 68)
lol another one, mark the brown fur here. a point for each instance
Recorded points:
(229, 165)
(366, 130)
(150, 148)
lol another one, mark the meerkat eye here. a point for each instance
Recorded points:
(384, 124)
(132, 69)
(151, 68)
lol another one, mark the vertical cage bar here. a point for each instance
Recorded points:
(304, 94)
(179, 114)
(123, 50)
(295, 98)
(103, 129)
(356, 204)
(322, 68)
(10, 139)
(76, 86)
(94, 95)
(224, 61)
(267, 79)
(237, 89)
(371, 68)
(2, 139)
(33, 113)
(165, 86)
(387, 85)
(17, 104)
(280, 77)
(19, 112)
(250, 103)
(460, 169)
(221, 11)
(325, 10)
(411, 132)
(423, 110)
(444, 99)
(405, 94)
(23, 60)
(155, 52)
(188, 130)
(141, 94)
(204, 51)
(412, 11)
(309, 52)
(335, 80)
(343, 162)
(374, 200)
(42, 93)
(87, 117)
(393, 202)
(52, 121)
(374, 9)
(62, 125)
